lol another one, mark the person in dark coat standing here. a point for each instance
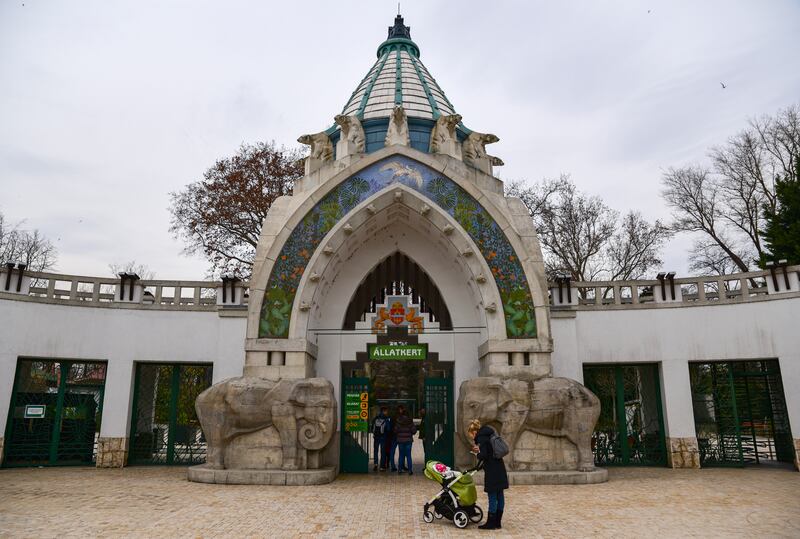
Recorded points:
(495, 479)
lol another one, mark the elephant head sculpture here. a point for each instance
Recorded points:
(302, 411)
(557, 407)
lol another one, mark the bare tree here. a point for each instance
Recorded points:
(726, 203)
(142, 270)
(221, 216)
(27, 247)
(583, 237)
(634, 248)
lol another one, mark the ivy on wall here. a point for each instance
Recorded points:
(471, 216)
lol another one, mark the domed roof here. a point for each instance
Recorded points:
(398, 78)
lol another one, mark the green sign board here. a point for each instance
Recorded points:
(356, 412)
(34, 411)
(398, 352)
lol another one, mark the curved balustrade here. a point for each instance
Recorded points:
(162, 294)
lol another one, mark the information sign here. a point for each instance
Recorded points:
(35, 411)
(356, 412)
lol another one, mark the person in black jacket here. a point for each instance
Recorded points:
(495, 479)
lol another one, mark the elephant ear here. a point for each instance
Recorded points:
(299, 394)
(503, 395)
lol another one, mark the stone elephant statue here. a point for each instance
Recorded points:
(302, 411)
(557, 407)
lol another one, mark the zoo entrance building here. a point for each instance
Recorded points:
(398, 273)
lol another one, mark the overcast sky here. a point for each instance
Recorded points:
(107, 106)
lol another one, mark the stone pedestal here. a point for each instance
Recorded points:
(112, 452)
(564, 296)
(204, 474)
(683, 452)
(277, 359)
(566, 477)
(15, 281)
(781, 281)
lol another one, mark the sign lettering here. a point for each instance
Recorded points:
(401, 352)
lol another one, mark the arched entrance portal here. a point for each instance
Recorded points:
(397, 302)
(396, 224)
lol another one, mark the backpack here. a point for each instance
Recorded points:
(379, 427)
(499, 446)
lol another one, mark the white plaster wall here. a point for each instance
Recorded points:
(670, 336)
(119, 336)
(675, 336)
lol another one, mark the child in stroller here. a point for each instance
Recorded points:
(456, 500)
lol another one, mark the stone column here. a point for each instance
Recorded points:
(112, 446)
(277, 359)
(682, 448)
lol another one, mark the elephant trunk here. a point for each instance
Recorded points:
(314, 435)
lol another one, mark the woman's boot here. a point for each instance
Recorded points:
(499, 519)
(491, 522)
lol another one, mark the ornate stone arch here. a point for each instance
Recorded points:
(300, 231)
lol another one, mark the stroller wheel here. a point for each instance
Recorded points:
(427, 516)
(477, 514)
(460, 519)
(437, 514)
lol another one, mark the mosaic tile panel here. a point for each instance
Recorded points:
(474, 219)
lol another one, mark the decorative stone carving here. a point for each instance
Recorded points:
(352, 140)
(552, 407)
(321, 150)
(474, 150)
(302, 411)
(443, 137)
(398, 128)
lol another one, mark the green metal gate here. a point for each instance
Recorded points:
(630, 430)
(164, 427)
(55, 412)
(354, 448)
(740, 413)
(439, 420)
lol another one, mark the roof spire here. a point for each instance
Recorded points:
(399, 29)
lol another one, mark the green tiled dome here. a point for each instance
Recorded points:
(398, 78)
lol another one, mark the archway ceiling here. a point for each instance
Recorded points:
(397, 225)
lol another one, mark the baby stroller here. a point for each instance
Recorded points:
(456, 500)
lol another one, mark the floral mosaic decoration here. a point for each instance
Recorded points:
(474, 219)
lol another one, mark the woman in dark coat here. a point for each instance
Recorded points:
(495, 479)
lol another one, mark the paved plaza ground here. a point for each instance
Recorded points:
(159, 502)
